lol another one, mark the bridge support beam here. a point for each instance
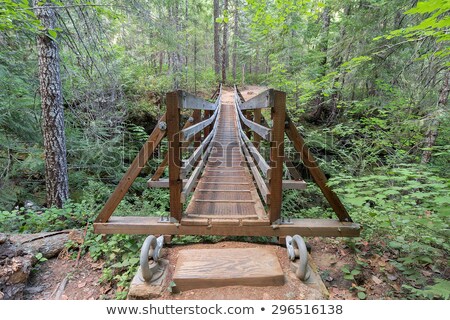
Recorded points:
(173, 100)
(278, 113)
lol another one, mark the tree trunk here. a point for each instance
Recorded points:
(316, 116)
(235, 38)
(432, 132)
(225, 44)
(216, 40)
(56, 178)
(176, 56)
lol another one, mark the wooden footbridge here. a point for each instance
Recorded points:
(225, 186)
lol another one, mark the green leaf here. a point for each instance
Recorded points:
(52, 33)
(361, 295)
(395, 245)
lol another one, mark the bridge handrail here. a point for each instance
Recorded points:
(192, 130)
(190, 101)
(259, 159)
(262, 100)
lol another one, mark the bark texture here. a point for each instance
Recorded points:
(225, 45)
(52, 109)
(317, 115)
(235, 39)
(433, 129)
(216, 40)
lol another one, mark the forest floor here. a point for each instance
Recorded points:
(330, 255)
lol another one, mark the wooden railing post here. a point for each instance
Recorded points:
(278, 113)
(173, 135)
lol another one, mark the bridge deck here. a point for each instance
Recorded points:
(226, 189)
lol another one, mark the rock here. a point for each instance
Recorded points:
(141, 290)
(3, 238)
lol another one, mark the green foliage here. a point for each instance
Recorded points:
(72, 215)
(439, 290)
(392, 206)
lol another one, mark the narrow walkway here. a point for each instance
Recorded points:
(226, 189)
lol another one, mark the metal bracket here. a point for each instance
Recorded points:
(162, 125)
(296, 248)
(167, 219)
(283, 220)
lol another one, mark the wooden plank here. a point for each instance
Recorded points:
(262, 164)
(133, 171)
(257, 176)
(255, 222)
(194, 222)
(295, 175)
(225, 220)
(278, 113)
(262, 100)
(214, 216)
(294, 185)
(197, 116)
(317, 174)
(191, 131)
(224, 201)
(162, 183)
(189, 101)
(227, 267)
(208, 129)
(221, 190)
(189, 164)
(303, 227)
(158, 173)
(173, 135)
(192, 181)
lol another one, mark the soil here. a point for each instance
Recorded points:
(330, 255)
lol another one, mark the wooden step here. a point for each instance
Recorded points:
(212, 268)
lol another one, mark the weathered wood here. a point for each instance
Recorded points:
(260, 130)
(259, 159)
(191, 131)
(303, 227)
(263, 189)
(318, 176)
(292, 170)
(257, 120)
(227, 267)
(206, 115)
(225, 200)
(262, 100)
(173, 136)
(294, 185)
(158, 173)
(189, 164)
(278, 113)
(162, 183)
(189, 101)
(192, 181)
(197, 116)
(133, 171)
